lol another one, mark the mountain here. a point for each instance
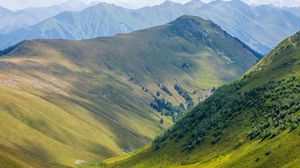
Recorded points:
(261, 27)
(195, 4)
(4, 12)
(160, 14)
(12, 21)
(294, 10)
(66, 102)
(100, 20)
(252, 122)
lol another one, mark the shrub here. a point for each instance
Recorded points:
(215, 140)
(268, 153)
(271, 107)
(293, 127)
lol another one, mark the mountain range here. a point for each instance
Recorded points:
(66, 102)
(252, 122)
(260, 27)
(14, 20)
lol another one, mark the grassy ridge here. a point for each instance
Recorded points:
(66, 102)
(253, 122)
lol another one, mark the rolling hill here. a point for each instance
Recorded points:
(252, 122)
(65, 102)
(260, 27)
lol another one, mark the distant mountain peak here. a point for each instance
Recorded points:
(105, 4)
(72, 2)
(232, 2)
(102, 6)
(195, 3)
(168, 3)
(237, 2)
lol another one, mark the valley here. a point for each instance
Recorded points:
(67, 102)
(252, 122)
(149, 84)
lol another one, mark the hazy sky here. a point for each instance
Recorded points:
(18, 4)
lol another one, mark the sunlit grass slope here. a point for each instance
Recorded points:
(253, 122)
(66, 102)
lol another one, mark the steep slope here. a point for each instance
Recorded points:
(63, 102)
(253, 122)
(262, 27)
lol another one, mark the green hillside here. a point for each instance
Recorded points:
(252, 122)
(66, 102)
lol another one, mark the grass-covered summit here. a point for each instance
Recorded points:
(67, 102)
(252, 122)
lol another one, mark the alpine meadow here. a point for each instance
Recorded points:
(252, 122)
(173, 85)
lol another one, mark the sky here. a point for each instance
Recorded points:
(21, 4)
